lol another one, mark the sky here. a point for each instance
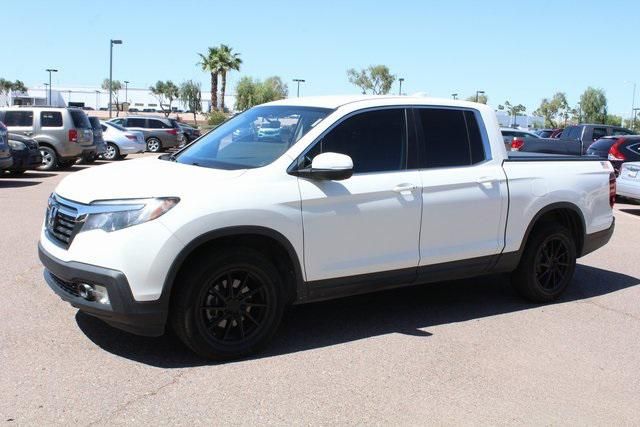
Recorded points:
(520, 51)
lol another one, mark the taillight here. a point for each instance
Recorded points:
(517, 143)
(614, 151)
(172, 131)
(131, 137)
(73, 135)
(612, 189)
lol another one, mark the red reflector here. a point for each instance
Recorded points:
(172, 131)
(517, 143)
(612, 189)
(73, 135)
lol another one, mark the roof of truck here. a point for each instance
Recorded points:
(336, 101)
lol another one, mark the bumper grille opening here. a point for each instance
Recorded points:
(69, 287)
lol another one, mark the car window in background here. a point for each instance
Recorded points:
(603, 144)
(252, 139)
(622, 132)
(136, 123)
(545, 133)
(116, 126)
(80, 119)
(375, 141)
(18, 118)
(599, 133)
(95, 123)
(50, 119)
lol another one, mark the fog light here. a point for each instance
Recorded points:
(95, 293)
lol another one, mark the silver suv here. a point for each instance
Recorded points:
(159, 132)
(64, 134)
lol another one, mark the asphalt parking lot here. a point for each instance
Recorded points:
(466, 352)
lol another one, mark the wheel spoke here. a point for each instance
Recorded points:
(227, 328)
(250, 317)
(252, 304)
(249, 294)
(240, 322)
(229, 285)
(217, 293)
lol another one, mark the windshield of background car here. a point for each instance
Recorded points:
(254, 138)
(116, 126)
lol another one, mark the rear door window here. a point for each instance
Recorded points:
(449, 137)
(603, 144)
(50, 119)
(136, 123)
(18, 118)
(158, 124)
(598, 133)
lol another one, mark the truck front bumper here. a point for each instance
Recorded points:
(121, 311)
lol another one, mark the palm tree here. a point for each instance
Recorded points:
(227, 60)
(210, 62)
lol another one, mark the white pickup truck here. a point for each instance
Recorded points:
(344, 195)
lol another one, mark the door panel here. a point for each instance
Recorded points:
(361, 225)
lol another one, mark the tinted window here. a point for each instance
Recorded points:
(116, 126)
(622, 132)
(603, 144)
(80, 119)
(95, 123)
(598, 133)
(18, 118)
(545, 133)
(157, 124)
(50, 119)
(136, 123)
(572, 132)
(448, 136)
(375, 141)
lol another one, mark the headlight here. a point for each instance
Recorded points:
(112, 215)
(17, 145)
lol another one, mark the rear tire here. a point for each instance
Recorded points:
(49, 159)
(112, 153)
(154, 145)
(229, 304)
(547, 264)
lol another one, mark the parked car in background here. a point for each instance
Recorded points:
(6, 159)
(587, 134)
(548, 133)
(121, 142)
(64, 134)
(159, 132)
(98, 140)
(618, 149)
(190, 133)
(628, 182)
(369, 193)
(509, 135)
(133, 110)
(25, 152)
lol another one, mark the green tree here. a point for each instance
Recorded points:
(7, 86)
(482, 98)
(116, 86)
(250, 92)
(593, 103)
(211, 63)
(376, 78)
(165, 92)
(227, 61)
(513, 110)
(190, 96)
(553, 110)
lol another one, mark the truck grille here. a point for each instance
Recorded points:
(63, 221)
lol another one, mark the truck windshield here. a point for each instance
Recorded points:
(254, 138)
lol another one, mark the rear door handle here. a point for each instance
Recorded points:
(28, 133)
(405, 187)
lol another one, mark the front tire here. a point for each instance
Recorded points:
(49, 159)
(154, 145)
(547, 264)
(229, 305)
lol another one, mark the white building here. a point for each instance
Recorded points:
(98, 98)
(525, 122)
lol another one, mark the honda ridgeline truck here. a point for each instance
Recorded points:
(343, 195)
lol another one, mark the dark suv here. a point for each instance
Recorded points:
(159, 132)
(586, 134)
(6, 160)
(618, 149)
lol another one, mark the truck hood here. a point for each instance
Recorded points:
(140, 178)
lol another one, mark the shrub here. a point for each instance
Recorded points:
(216, 117)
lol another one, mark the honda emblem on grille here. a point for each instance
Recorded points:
(53, 211)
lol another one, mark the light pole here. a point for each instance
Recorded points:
(46, 90)
(111, 43)
(126, 91)
(454, 96)
(633, 99)
(633, 118)
(97, 100)
(479, 92)
(50, 70)
(401, 79)
(298, 81)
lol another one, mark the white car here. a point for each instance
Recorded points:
(362, 194)
(121, 142)
(628, 182)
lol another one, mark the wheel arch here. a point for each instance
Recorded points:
(278, 247)
(565, 213)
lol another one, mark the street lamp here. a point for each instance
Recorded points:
(633, 118)
(97, 100)
(401, 79)
(126, 90)
(46, 90)
(633, 99)
(111, 43)
(298, 81)
(50, 70)
(454, 96)
(479, 92)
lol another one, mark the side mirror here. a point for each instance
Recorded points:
(328, 166)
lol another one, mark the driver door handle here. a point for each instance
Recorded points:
(405, 187)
